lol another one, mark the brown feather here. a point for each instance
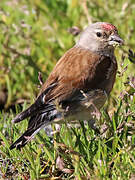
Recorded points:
(80, 69)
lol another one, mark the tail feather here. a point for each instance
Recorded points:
(36, 123)
(22, 141)
(33, 128)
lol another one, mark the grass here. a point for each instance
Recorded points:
(74, 152)
(33, 36)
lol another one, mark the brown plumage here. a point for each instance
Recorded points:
(79, 83)
(81, 69)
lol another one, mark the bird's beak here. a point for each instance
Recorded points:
(115, 40)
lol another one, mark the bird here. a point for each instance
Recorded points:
(79, 84)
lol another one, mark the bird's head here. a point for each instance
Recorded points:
(100, 37)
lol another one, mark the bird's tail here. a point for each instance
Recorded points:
(36, 123)
(26, 137)
(41, 114)
(43, 118)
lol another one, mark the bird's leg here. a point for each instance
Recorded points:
(96, 116)
(89, 103)
(96, 112)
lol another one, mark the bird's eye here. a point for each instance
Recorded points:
(99, 34)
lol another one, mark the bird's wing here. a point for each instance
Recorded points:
(78, 69)
(36, 106)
